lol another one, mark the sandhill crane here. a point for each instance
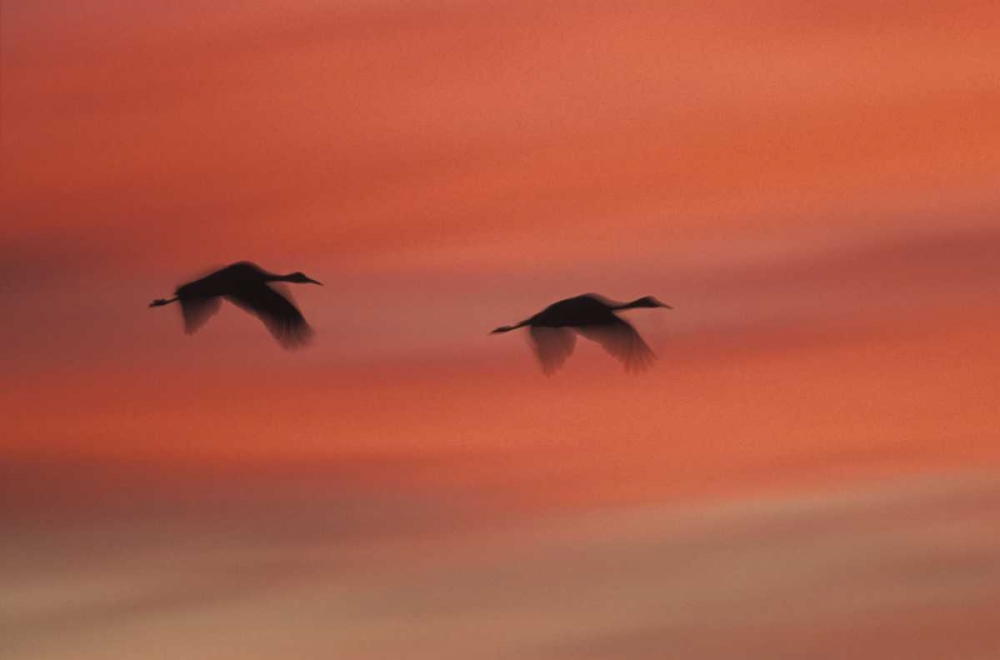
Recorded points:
(246, 285)
(592, 316)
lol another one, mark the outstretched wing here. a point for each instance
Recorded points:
(197, 310)
(282, 318)
(620, 339)
(552, 346)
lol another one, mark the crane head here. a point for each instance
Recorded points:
(649, 301)
(302, 278)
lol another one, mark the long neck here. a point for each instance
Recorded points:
(638, 302)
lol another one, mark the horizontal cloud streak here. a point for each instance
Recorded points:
(765, 576)
(680, 125)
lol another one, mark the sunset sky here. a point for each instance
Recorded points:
(812, 186)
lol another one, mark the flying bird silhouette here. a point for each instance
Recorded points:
(594, 317)
(247, 286)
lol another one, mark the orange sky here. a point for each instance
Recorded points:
(781, 176)
(778, 175)
(812, 186)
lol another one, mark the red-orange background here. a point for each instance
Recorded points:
(813, 187)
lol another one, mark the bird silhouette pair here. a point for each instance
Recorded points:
(553, 330)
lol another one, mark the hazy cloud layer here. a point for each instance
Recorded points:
(904, 567)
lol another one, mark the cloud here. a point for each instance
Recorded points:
(375, 131)
(907, 565)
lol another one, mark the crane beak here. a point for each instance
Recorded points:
(312, 281)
